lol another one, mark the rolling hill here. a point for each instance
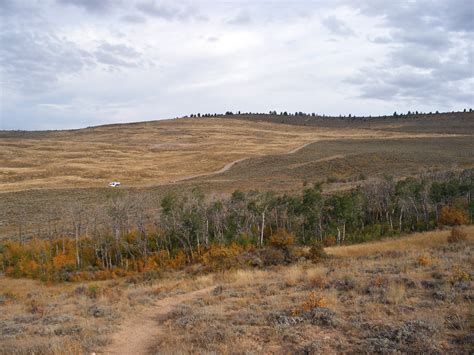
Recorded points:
(48, 170)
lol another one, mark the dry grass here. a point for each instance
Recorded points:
(43, 173)
(374, 297)
(376, 301)
(153, 152)
(408, 243)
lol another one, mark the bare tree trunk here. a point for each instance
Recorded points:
(400, 220)
(76, 234)
(343, 232)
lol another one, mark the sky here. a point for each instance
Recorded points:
(76, 63)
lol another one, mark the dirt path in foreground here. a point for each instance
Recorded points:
(138, 333)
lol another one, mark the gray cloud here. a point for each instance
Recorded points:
(119, 49)
(337, 27)
(422, 34)
(436, 87)
(93, 6)
(135, 19)
(32, 61)
(169, 12)
(414, 56)
(425, 37)
(57, 62)
(117, 55)
(8, 7)
(242, 18)
(153, 9)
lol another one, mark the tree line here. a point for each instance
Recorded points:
(132, 233)
(313, 114)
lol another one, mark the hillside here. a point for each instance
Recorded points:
(43, 173)
(137, 154)
(161, 152)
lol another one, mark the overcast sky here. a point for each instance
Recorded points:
(76, 63)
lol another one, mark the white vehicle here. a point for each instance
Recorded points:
(114, 184)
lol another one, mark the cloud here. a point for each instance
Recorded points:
(93, 6)
(425, 37)
(145, 59)
(119, 49)
(240, 19)
(436, 87)
(32, 61)
(169, 11)
(153, 9)
(8, 7)
(429, 54)
(414, 56)
(337, 27)
(135, 19)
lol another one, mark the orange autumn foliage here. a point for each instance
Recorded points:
(452, 216)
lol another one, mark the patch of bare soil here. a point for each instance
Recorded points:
(137, 333)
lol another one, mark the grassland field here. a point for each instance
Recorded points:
(41, 173)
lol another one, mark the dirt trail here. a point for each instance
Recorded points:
(138, 332)
(212, 173)
(232, 163)
(391, 135)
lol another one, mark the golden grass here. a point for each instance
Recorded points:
(264, 311)
(410, 242)
(249, 301)
(150, 153)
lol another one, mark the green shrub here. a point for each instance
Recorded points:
(93, 291)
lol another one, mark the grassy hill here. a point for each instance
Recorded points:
(42, 173)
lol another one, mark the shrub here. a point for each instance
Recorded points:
(93, 291)
(318, 281)
(282, 239)
(150, 276)
(452, 216)
(314, 300)
(423, 260)
(380, 281)
(178, 261)
(317, 253)
(221, 257)
(329, 241)
(459, 275)
(457, 235)
(272, 256)
(347, 283)
(35, 307)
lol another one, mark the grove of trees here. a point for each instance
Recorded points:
(136, 234)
